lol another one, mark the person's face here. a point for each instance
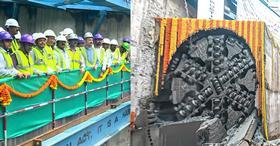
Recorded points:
(27, 47)
(51, 40)
(98, 42)
(13, 30)
(7, 44)
(106, 46)
(61, 44)
(73, 43)
(41, 42)
(113, 47)
(89, 42)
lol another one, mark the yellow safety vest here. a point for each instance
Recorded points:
(50, 57)
(75, 59)
(61, 60)
(123, 58)
(84, 53)
(8, 59)
(102, 55)
(39, 60)
(15, 45)
(25, 64)
(116, 56)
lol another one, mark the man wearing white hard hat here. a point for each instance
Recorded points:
(12, 27)
(108, 54)
(75, 55)
(88, 51)
(49, 49)
(38, 54)
(67, 32)
(62, 57)
(116, 55)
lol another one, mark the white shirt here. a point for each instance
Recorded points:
(108, 57)
(3, 67)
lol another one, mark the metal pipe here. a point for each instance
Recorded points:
(53, 109)
(86, 98)
(5, 126)
(102, 15)
(106, 101)
(15, 10)
(122, 85)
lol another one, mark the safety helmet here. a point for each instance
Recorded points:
(4, 35)
(73, 36)
(18, 35)
(126, 39)
(98, 36)
(126, 46)
(49, 32)
(61, 33)
(81, 40)
(88, 35)
(106, 41)
(114, 42)
(1, 29)
(67, 31)
(61, 38)
(38, 36)
(11, 22)
(27, 38)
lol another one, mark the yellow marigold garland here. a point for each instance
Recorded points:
(52, 82)
(29, 95)
(124, 68)
(5, 96)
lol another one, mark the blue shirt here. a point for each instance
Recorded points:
(90, 54)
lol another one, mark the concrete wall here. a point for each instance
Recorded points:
(33, 19)
(144, 32)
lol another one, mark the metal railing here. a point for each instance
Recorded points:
(5, 114)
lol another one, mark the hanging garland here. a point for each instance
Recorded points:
(52, 82)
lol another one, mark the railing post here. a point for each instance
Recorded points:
(53, 109)
(5, 126)
(122, 94)
(86, 91)
(107, 88)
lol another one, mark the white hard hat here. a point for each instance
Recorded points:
(34, 35)
(11, 22)
(73, 36)
(18, 35)
(67, 31)
(88, 35)
(61, 38)
(1, 29)
(114, 42)
(49, 32)
(38, 35)
(106, 41)
(61, 33)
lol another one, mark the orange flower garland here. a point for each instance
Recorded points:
(52, 82)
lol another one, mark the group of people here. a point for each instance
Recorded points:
(46, 53)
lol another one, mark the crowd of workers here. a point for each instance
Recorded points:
(46, 53)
